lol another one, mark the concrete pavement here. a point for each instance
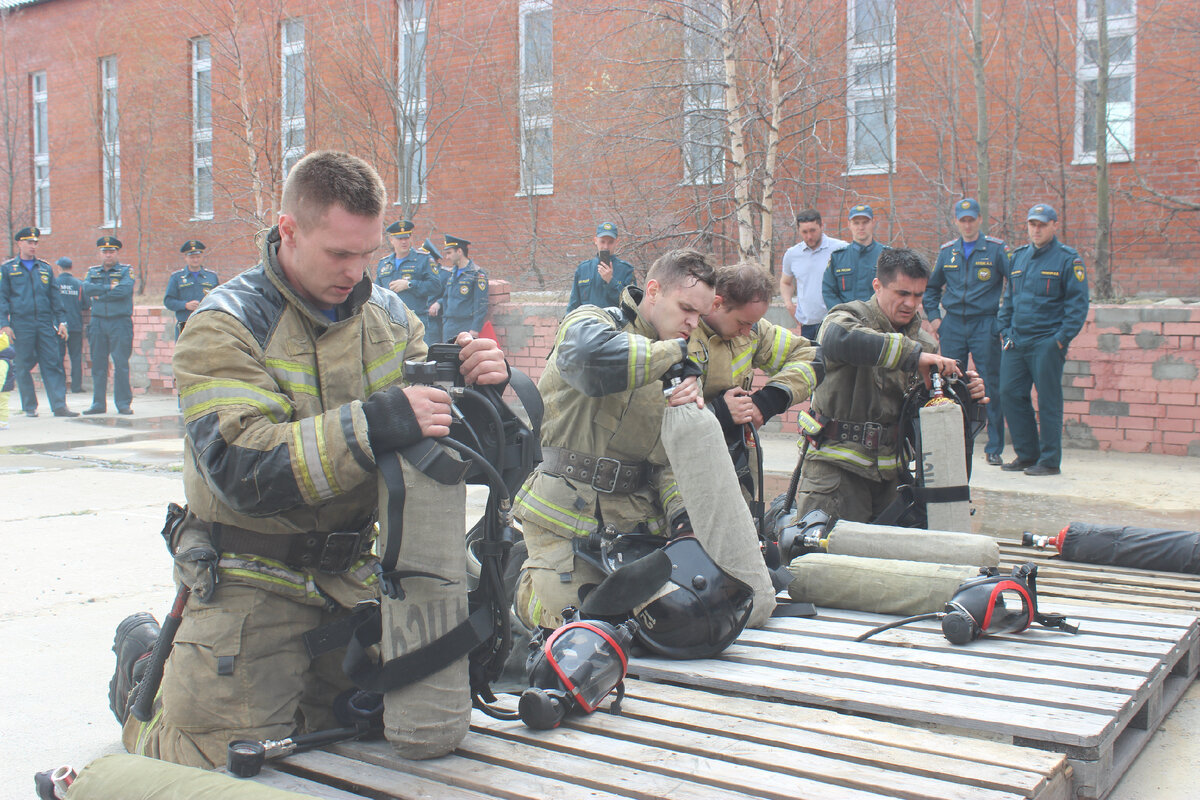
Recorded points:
(83, 500)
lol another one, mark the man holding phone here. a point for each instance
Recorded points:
(599, 281)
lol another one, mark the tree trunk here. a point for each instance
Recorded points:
(983, 166)
(1103, 267)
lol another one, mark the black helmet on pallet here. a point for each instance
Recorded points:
(687, 606)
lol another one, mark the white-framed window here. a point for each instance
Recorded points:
(202, 129)
(536, 42)
(291, 93)
(41, 151)
(110, 138)
(411, 103)
(1122, 72)
(870, 86)
(704, 118)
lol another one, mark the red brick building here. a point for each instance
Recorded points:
(518, 124)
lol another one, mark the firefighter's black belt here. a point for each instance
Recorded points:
(322, 552)
(608, 475)
(871, 435)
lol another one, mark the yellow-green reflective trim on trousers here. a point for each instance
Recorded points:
(147, 726)
(201, 398)
(551, 513)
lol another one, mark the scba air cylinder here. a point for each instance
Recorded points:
(427, 718)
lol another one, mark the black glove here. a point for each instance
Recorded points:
(681, 525)
(818, 365)
(686, 368)
(391, 423)
(771, 400)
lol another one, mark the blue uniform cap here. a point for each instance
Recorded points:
(967, 207)
(402, 228)
(64, 262)
(861, 210)
(606, 229)
(1042, 213)
(108, 243)
(432, 250)
(31, 234)
(192, 246)
(453, 241)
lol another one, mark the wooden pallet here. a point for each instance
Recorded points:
(677, 742)
(1101, 584)
(1095, 697)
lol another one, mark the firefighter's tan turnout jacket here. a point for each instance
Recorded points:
(272, 395)
(604, 396)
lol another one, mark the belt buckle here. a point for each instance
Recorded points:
(615, 476)
(872, 435)
(339, 552)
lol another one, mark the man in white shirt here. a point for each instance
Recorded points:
(803, 267)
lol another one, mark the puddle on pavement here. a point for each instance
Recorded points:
(126, 430)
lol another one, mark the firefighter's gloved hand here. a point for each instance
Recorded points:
(771, 401)
(684, 369)
(681, 525)
(400, 416)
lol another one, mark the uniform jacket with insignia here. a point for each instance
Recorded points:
(465, 301)
(588, 288)
(424, 283)
(603, 393)
(1047, 294)
(786, 357)
(70, 292)
(868, 368)
(850, 272)
(967, 286)
(184, 286)
(29, 298)
(110, 291)
(272, 397)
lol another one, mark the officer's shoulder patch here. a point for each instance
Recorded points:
(1080, 273)
(1067, 248)
(950, 243)
(481, 282)
(994, 240)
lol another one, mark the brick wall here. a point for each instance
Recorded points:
(1131, 380)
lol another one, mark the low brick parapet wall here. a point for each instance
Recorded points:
(1131, 383)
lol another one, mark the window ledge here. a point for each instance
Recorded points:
(1113, 158)
(536, 191)
(869, 169)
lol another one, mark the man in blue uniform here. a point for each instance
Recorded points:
(599, 281)
(109, 288)
(409, 272)
(32, 316)
(70, 291)
(188, 286)
(464, 304)
(967, 281)
(433, 331)
(1045, 306)
(851, 269)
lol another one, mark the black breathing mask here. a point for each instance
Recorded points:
(574, 668)
(990, 605)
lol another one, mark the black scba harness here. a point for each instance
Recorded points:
(990, 605)
(498, 450)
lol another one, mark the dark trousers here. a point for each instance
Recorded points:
(1036, 364)
(38, 346)
(73, 345)
(810, 331)
(433, 328)
(979, 337)
(111, 337)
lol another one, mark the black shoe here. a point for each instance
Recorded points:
(994, 460)
(31, 413)
(1016, 465)
(134, 640)
(126, 411)
(1042, 469)
(66, 412)
(95, 410)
